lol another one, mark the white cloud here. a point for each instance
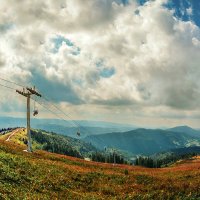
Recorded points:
(189, 11)
(155, 56)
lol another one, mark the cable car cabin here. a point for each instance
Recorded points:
(35, 112)
(78, 133)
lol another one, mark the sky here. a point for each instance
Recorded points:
(124, 61)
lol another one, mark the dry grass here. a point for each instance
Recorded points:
(43, 175)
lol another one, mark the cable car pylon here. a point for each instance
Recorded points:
(27, 93)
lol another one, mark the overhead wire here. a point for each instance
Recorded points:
(54, 113)
(7, 87)
(41, 104)
(32, 99)
(52, 104)
(12, 82)
(67, 115)
(37, 102)
(47, 101)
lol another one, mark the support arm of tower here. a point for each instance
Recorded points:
(32, 91)
(23, 93)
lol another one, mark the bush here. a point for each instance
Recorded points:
(126, 171)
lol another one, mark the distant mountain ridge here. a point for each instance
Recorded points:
(185, 129)
(72, 131)
(125, 138)
(14, 120)
(146, 141)
(67, 127)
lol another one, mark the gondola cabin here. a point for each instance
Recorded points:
(78, 133)
(35, 112)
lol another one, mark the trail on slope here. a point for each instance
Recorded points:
(15, 131)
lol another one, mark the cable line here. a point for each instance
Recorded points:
(12, 82)
(76, 124)
(7, 87)
(54, 113)
(52, 104)
(67, 115)
(42, 104)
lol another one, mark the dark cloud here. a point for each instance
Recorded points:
(182, 96)
(115, 102)
(54, 89)
(2, 60)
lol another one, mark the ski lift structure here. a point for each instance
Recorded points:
(78, 133)
(35, 110)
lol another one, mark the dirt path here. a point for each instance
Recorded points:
(15, 131)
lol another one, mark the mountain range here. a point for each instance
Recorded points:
(68, 128)
(147, 141)
(123, 137)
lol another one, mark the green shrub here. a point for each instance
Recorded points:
(126, 171)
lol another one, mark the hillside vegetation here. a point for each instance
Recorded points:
(168, 158)
(61, 144)
(53, 142)
(146, 141)
(45, 175)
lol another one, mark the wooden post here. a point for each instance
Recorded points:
(114, 157)
(27, 94)
(28, 124)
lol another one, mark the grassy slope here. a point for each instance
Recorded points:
(41, 175)
(76, 144)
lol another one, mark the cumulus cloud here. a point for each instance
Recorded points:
(117, 56)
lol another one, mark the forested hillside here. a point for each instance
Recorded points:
(145, 141)
(61, 144)
(168, 158)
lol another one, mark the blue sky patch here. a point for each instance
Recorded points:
(5, 27)
(100, 63)
(181, 10)
(107, 72)
(104, 71)
(181, 7)
(77, 81)
(142, 2)
(124, 2)
(58, 43)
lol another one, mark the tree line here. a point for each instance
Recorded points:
(54, 144)
(162, 162)
(63, 145)
(5, 130)
(108, 157)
